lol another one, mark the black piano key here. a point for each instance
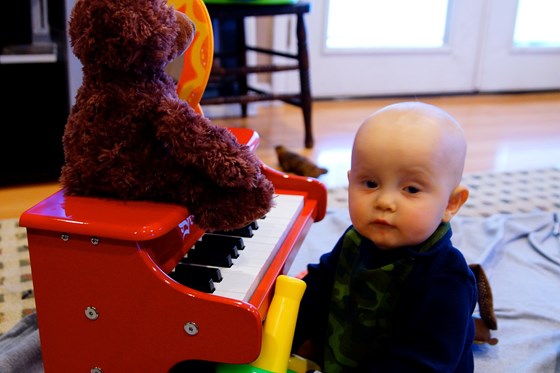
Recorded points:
(224, 248)
(219, 240)
(217, 258)
(246, 231)
(200, 283)
(218, 250)
(201, 271)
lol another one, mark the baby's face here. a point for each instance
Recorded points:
(403, 174)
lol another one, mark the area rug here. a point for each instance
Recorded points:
(491, 193)
(16, 288)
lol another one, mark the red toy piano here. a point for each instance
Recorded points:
(138, 287)
(112, 278)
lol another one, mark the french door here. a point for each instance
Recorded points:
(478, 52)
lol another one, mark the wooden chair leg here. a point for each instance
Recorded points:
(305, 86)
(242, 61)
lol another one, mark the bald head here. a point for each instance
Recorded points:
(409, 127)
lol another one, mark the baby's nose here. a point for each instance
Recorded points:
(385, 201)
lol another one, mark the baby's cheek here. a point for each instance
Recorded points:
(419, 226)
(357, 215)
(358, 206)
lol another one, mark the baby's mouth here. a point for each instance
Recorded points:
(382, 222)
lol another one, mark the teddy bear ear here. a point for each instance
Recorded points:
(187, 31)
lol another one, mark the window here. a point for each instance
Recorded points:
(366, 24)
(537, 24)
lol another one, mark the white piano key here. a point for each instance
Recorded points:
(240, 281)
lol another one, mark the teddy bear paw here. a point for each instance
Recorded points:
(238, 173)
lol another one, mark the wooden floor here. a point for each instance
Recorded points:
(504, 132)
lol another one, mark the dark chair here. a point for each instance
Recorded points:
(228, 78)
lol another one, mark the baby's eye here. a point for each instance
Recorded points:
(370, 184)
(411, 189)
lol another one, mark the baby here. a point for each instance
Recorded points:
(394, 295)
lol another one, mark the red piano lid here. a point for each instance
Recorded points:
(101, 217)
(246, 136)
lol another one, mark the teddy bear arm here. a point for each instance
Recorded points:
(211, 149)
(221, 208)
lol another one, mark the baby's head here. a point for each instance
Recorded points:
(406, 170)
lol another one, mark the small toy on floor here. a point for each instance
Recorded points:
(487, 320)
(296, 163)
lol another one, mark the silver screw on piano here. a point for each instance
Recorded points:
(95, 241)
(191, 328)
(91, 313)
(96, 370)
(64, 237)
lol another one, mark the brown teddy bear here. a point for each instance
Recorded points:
(129, 136)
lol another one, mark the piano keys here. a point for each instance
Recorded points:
(241, 273)
(105, 295)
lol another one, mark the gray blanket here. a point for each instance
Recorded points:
(19, 348)
(521, 256)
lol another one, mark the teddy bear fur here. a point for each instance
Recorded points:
(129, 136)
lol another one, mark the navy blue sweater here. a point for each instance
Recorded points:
(430, 324)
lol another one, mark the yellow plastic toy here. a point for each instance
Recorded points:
(278, 333)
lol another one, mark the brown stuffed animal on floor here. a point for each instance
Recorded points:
(129, 136)
(297, 164)
(487, 320)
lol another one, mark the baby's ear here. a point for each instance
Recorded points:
(456, 200)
